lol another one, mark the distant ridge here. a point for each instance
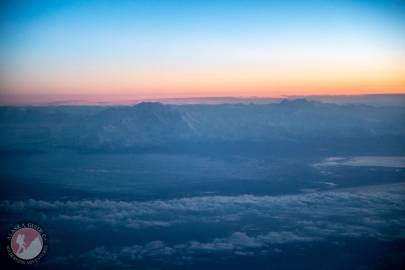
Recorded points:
(366, 99)
(152, 124)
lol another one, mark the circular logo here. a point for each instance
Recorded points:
(27, 243)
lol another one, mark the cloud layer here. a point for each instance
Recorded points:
(364, 206)
(263, 223)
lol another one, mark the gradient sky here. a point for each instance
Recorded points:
(151, 49)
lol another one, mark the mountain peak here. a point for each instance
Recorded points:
(296, 102)
(149, 104)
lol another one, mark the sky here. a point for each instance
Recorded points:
(117, 50)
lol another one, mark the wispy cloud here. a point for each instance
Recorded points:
(365, 208)
(371, 212)
(238, 243)
(364, 161)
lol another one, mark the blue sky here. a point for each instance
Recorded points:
(199, 48)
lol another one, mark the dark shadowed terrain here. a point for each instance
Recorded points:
(294, 184)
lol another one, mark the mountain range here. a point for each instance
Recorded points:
(289, 123)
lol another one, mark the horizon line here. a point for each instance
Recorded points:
(121, 100)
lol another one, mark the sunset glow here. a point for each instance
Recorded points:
(125, 50)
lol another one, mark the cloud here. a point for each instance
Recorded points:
(238, 243)
(257, 224)
(360, 161)
(355, 212)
